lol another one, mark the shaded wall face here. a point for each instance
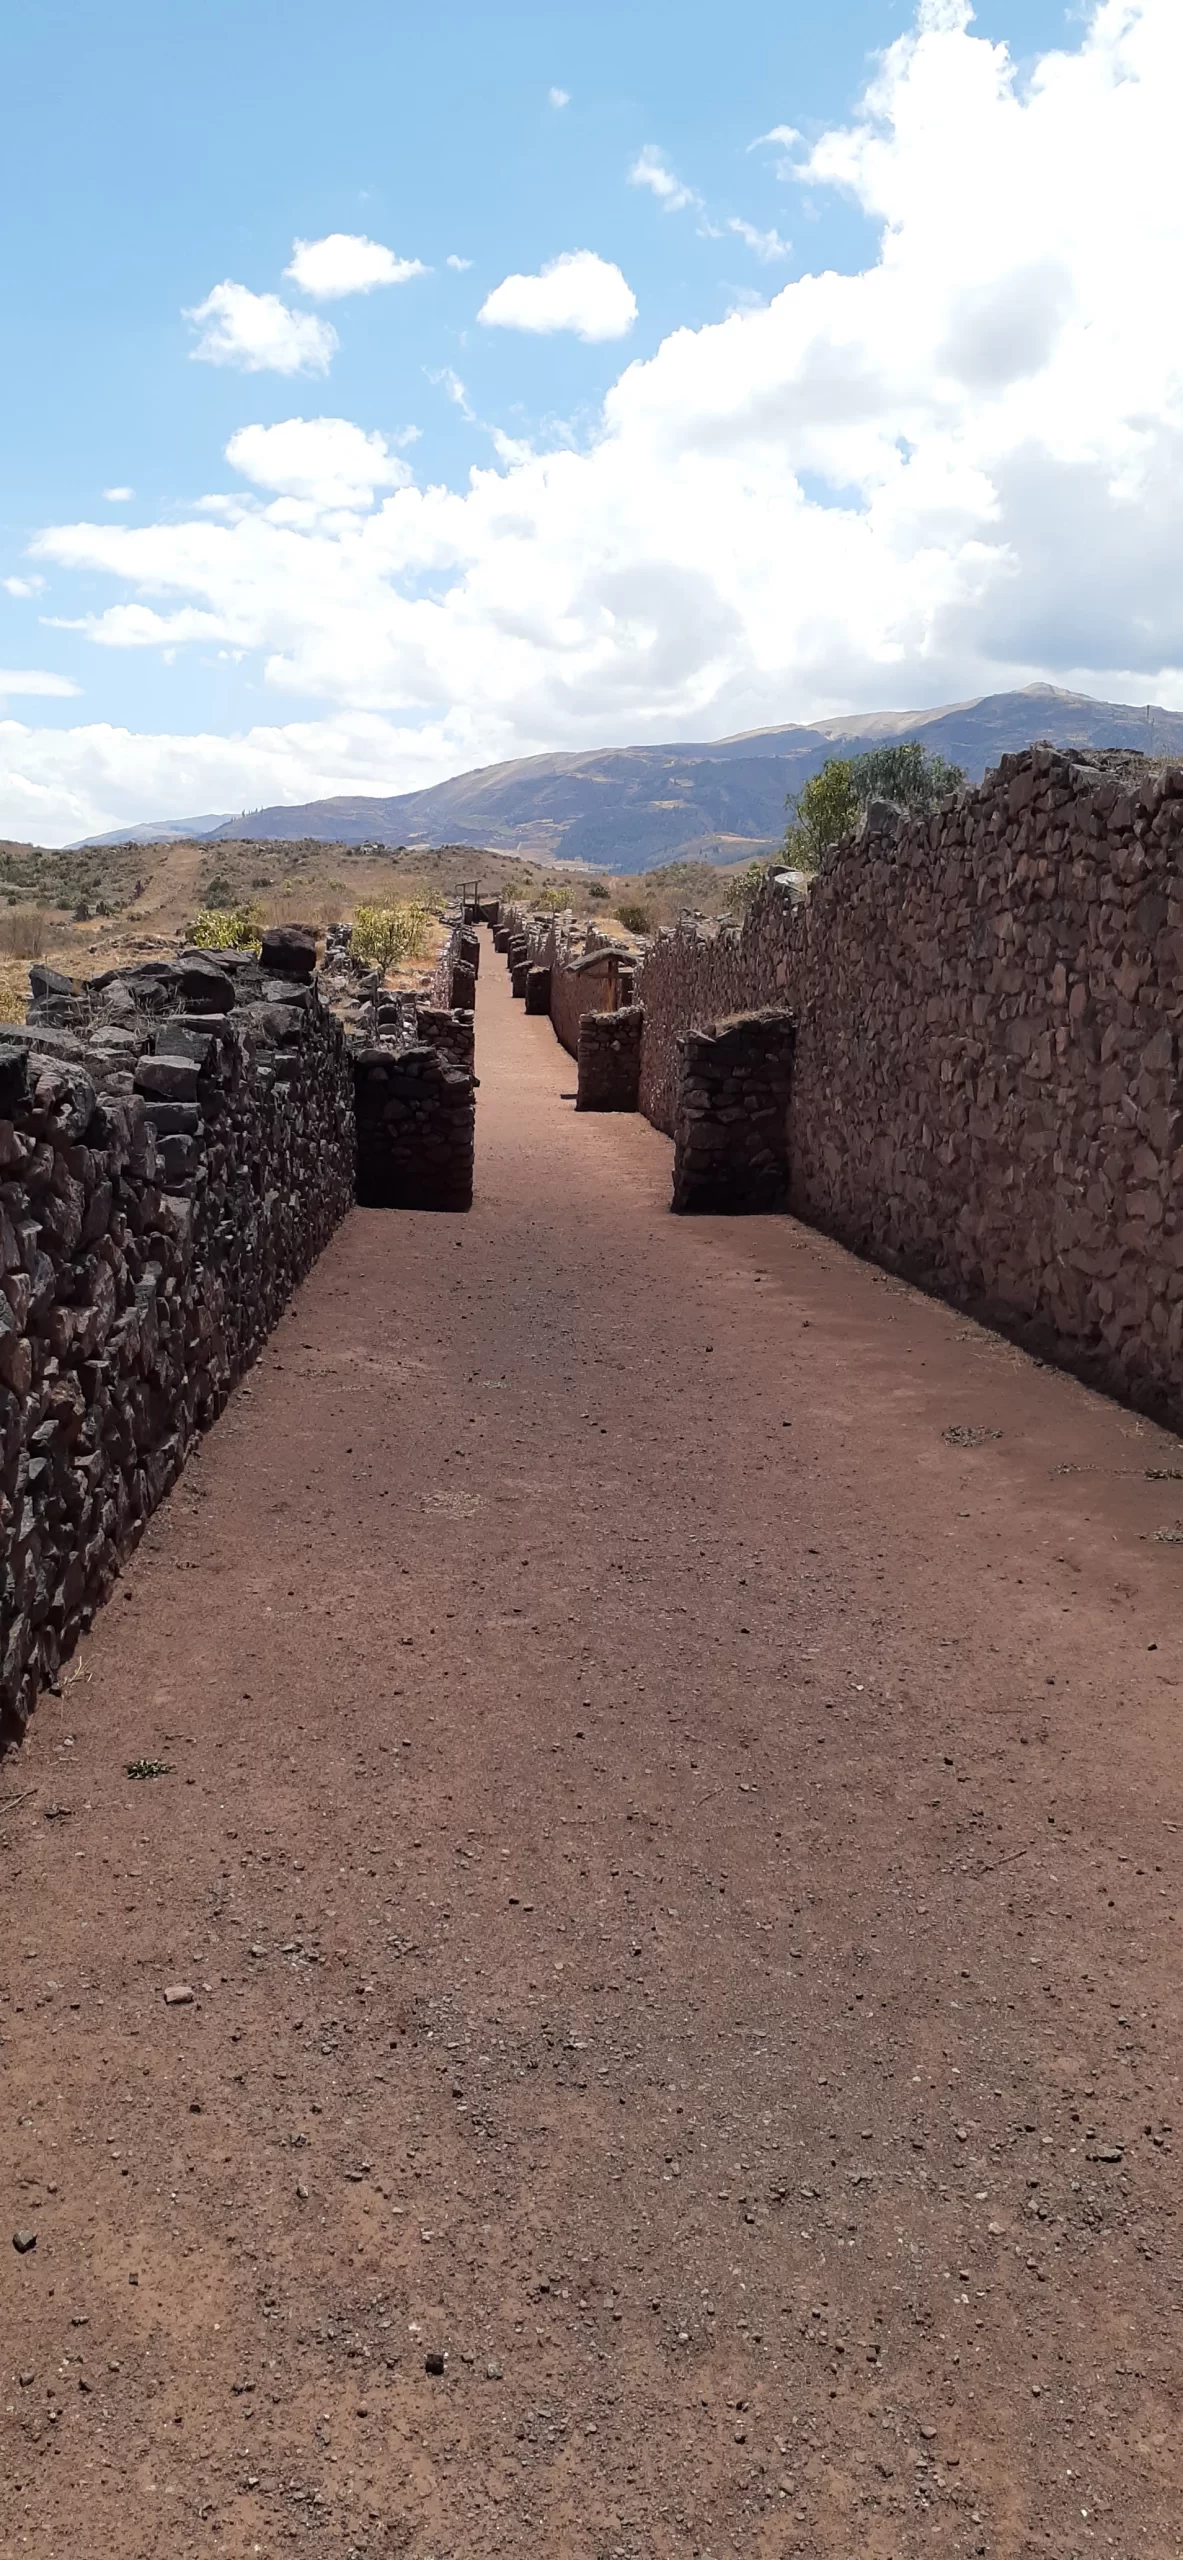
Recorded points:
(987, 1090)
(574, 992)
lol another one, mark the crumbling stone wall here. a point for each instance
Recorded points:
(453, 1034)
(609, 1059)
(731, 1151)
(987, 1091)
(173, 1157)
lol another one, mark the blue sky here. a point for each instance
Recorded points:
(606, 581)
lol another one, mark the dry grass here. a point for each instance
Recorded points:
(25, 932)
(14, 993)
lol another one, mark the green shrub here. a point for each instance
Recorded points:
(227, 928)
(633, 916)
(739, 893)
(383, 935)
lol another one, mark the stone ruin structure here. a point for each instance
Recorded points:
(986, 1091)
(731, 1138)
(178, 1140)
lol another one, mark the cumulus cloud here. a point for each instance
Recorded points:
(22, 586)
(257, 333)
(461, 265)
(346, 262)
(955, 470)
(649, 169)
(577, 291)
(325, 462)
(118, 497)
(558, 97)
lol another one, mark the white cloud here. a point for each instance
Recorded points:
(23, 586)
(953, 471)
(649, 170)
(31, 680)
(784, 134)
(461, 265)
(346, 262)
(118, 497)
(257, 333)
(767, 245)
(59, 784)
(451, 384)
(576, 291)
(325, 462)
(558, 97)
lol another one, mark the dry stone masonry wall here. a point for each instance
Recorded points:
(987, 1091)
(609, 1060)
(175, 1149)
(731, 1131)
(416, 1127)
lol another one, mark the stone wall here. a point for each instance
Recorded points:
(416, 1128)
(587, 983)
(731, 1153)
(609, 1059)
(688, 978)
(453, 986)
(453, 1034)
(987, 1092)
(173, 1157)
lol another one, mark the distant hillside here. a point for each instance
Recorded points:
(632, 808)
(166, 831)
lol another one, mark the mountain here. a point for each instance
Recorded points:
(161, 831)
(632, 808)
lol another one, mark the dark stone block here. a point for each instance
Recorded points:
(289, 951)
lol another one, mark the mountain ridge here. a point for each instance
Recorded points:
(629, 809)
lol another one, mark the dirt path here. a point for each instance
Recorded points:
(679, 1867)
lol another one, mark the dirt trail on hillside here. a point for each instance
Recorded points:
(672, 1828)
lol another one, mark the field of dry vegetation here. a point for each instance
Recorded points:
(87, 910)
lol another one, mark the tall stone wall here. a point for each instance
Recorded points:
(987, 1092)
(168, 1173)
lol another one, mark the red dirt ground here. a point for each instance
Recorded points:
(679, 1868)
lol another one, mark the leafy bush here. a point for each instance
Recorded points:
(739, 893)
(227, 928)
(219, 892)
(383, 935)
(633, 916)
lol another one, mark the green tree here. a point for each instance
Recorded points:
(822, 812)
(906, 775)
(828, 807)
